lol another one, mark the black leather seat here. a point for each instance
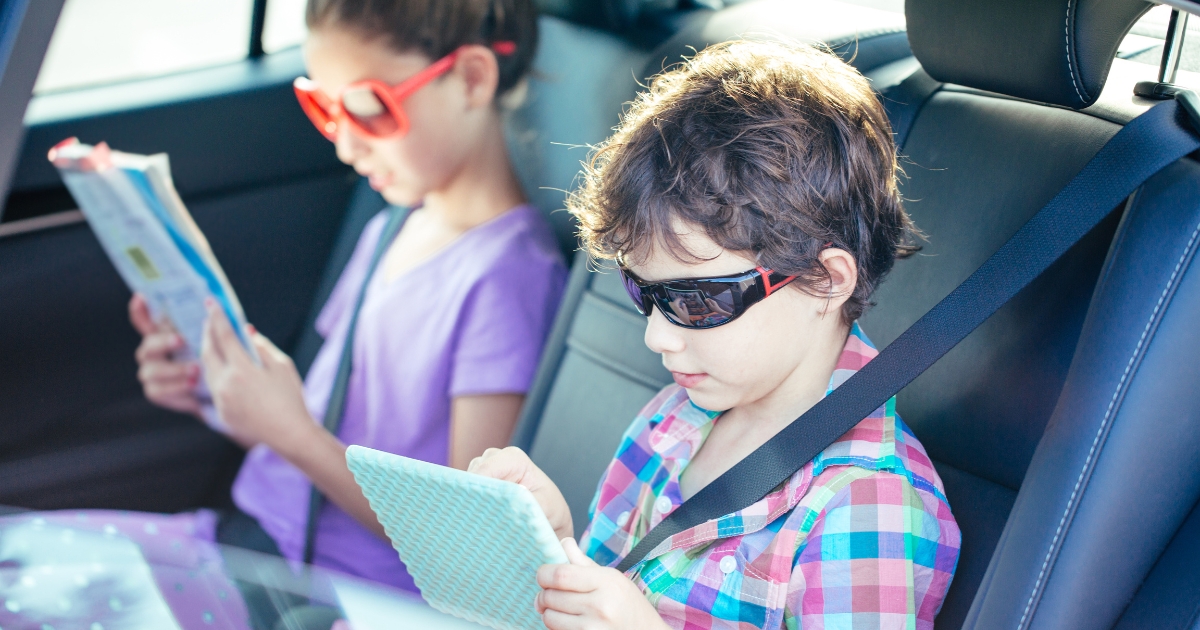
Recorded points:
(1066, 427)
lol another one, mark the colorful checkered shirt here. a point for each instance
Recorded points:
(861, 537)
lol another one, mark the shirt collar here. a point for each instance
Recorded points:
(682, 428)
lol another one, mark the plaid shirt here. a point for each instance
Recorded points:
(861, 537)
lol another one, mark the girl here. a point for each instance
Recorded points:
(750, 202)
(453, 313)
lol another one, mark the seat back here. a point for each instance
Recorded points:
(976, 169)
(1019, 417)
(582, 76)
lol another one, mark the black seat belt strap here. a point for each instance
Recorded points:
(337, 395)
(1142, 148)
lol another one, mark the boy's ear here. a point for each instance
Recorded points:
(843, 275)
(480, 73)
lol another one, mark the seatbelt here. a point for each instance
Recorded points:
(337, 396)
(1142, 148)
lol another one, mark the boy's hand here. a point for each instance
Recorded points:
(512, 464)
(166, 382)
(258, 403)
(585, 595)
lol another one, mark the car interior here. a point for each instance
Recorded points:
(1065, 428)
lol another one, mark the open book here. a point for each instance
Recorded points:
(131, 204)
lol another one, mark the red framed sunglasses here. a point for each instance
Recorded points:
(703, 302)
(373, 108)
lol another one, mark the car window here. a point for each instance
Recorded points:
(893, 6)
(1144, 44)
(100, 41)
(284, 26)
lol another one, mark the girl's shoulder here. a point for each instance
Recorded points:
(521, 236)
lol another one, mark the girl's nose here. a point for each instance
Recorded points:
(662, 336)
(349, 146)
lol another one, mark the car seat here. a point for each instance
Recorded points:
(1064, 427)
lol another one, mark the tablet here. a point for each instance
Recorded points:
(473, 544)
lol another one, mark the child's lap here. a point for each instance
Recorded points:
(115, 565)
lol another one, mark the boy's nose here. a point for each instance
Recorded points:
(662, 336)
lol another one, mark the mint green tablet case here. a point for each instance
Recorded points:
(472, 544)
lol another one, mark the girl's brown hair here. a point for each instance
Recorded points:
(435, 28)
(775, 150)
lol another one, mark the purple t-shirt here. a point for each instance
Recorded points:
(469, 320)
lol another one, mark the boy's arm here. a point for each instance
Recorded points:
(512, 464)
(883, 541)
(583, 594)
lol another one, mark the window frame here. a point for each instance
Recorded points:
(258, 22)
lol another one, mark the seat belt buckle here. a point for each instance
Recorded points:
(1161, 91)
(1190, 103)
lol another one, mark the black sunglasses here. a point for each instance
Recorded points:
(706, 302)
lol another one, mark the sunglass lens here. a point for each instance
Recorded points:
(368, 111)
(699, 308)
(635, 293)
(315, 107)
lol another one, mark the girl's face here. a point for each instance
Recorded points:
(447, 116)
(780, 343)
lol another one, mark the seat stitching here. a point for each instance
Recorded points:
(1067, 40)
(1104, 423)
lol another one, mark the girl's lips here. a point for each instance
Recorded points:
(688, 381)
(379, 182)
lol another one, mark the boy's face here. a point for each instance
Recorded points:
(777, 353)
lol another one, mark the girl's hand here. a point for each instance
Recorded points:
(166, 382)
(259, 403)
(585, 595)
(512, 464)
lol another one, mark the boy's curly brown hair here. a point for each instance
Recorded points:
(772, 149)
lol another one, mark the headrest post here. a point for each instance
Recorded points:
(1173, 46)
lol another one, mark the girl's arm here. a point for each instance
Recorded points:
(266, 404)
(478, 423)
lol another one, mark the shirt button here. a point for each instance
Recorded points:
(728, 564)
(663, 504)
(623, 519)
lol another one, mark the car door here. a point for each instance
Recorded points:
(191, 78)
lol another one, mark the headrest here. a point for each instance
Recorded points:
(1054, 51)
(614, 15)
(865, 37)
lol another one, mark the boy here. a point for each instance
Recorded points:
(750, 202)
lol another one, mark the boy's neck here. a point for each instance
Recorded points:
(802, 389)
(741, 430)
(485, 186)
